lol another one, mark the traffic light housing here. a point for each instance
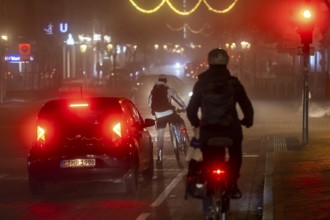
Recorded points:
(306, 25)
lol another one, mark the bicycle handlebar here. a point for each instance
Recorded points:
(180, 110)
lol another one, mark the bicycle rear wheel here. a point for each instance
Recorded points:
(220, 207)
(174, 140)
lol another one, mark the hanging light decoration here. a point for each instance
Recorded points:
(200, 31)
(220, 11)
(185, 12)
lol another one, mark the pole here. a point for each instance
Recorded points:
(1, 73)
(305, 92)
(1, 86)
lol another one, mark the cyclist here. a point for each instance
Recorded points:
(217, 92)
(159, 101)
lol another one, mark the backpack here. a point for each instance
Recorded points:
(159, 100)
(218, 103)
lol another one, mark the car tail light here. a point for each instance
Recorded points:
(117, 129)
(41, 134)
(113, 129)
(78, 105)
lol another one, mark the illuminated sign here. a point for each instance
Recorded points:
(50, 28)
(16, 58)
(24, 51)
(64, 27)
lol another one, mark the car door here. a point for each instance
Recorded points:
(141, 135)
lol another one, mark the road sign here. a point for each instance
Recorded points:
(24, 51)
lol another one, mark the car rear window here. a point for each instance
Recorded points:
(92, 111)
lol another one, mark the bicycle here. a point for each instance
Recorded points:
(217, 177)
(179, 135)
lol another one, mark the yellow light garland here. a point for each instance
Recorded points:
(220, 11)
(183, 12)
(148, 11)
(210, 8)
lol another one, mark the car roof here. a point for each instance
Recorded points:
(59, 105)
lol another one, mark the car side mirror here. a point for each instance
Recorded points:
(148, 122)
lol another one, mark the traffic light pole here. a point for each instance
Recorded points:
(306, 49)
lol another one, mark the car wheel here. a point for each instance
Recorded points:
(36, 186)
(148, 174)
(131, 181)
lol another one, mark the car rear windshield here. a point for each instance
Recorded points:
(92, 111)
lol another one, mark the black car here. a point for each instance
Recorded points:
(92, 139)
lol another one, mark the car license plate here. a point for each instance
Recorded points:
(78, 163)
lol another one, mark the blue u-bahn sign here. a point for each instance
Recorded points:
(50, 29)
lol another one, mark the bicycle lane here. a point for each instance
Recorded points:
(171, 204)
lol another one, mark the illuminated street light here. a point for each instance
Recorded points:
(110, 48)
(4, 37)
(245, 45)
(83, 48)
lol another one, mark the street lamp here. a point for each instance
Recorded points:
(4, 40)
(111, 55)
(83, 49)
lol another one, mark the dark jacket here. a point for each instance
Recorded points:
(220, 73)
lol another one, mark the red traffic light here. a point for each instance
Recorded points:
(307, 14)
(305, 25)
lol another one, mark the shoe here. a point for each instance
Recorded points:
(160, 156)
(236, 193)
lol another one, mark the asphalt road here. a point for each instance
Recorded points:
(163, 198)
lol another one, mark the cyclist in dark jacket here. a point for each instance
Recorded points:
(159, 101)
(218, 60)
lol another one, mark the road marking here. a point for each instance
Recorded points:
(169, 170)
(250, 155)
(143, 216)
(167, 190)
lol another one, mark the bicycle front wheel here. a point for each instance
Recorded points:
(185, 143)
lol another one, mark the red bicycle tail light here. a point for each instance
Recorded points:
(218, 172)
(183, 129)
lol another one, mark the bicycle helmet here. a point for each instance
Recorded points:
(162, 78)
(218, 57)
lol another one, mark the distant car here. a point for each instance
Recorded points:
(145, 83)
(93, 139)
(193, 69)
